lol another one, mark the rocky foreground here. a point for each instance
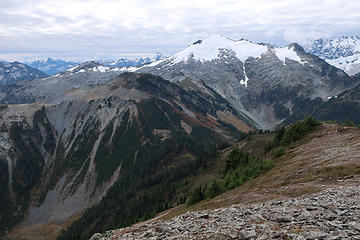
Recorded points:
(331, 214)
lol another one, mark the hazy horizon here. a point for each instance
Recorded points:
(94, 29)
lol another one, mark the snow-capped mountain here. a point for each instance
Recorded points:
(51, 66)
(130, 62)
(350, 64)
(90, 66)
(11, 72)
(260, 80)
(217, 46)
(342, 52)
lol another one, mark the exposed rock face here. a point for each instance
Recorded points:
(331, 214)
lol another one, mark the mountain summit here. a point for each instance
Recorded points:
(218, 46)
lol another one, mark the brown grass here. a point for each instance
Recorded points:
(308, 166)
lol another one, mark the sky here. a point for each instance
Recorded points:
(91, 29)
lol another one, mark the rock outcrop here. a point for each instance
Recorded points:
(331, 214)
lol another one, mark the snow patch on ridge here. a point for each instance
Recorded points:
(287, 52)
(101, 69)
(212, 47)
(209, 49)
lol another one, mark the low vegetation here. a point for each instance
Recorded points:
(286, 136)
(240, 168)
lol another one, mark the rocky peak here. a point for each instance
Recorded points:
(85, 66)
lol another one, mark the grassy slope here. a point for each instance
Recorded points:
(310, 165)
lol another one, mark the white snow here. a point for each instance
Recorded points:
(125, 69)
(131, 69)
(287, 52)
(246, 78)
(341, 52)
(209, 49)
(100, 69)
(82, 70)
(71, 69)
(347, 42)
(154, 63)
(350, 64)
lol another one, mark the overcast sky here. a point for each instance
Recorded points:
(88, 29)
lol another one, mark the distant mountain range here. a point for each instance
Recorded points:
(11, 72)
(342, 52)
(51, 66)
(131, 62)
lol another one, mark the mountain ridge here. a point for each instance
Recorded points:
(342, 52)
(51, 66)
(11, 72)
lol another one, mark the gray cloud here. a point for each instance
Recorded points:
(94, 28)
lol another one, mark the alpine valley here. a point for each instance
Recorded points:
(100, 146)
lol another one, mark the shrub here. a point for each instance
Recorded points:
(349, 123)
(197, 195)
(295, 132)
(279, 152)
(215, 189)
(240, 167)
